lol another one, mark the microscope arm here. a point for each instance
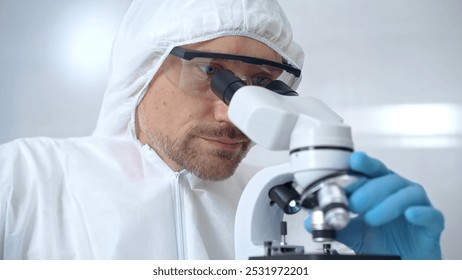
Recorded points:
(256, 219)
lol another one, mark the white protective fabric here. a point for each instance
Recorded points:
(106, 196)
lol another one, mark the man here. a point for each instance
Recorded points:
(159, 178)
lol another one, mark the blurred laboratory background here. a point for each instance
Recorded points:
(392, 69)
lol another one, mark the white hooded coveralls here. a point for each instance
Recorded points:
(107, 196)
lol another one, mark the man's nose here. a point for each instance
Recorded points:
(221, 111)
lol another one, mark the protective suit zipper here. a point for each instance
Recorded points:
(179, 217)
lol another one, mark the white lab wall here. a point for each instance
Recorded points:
(391, 68)
(54, 58)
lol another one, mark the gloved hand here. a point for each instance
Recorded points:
(395, 214)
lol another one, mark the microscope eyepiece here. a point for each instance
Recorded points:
(281, 88)
(224, 84)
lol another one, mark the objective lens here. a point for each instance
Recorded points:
(333, 202)
(328, 202)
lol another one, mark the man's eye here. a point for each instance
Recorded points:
(210, 69)
(261, 81)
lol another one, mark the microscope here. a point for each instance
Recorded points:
(319, 144)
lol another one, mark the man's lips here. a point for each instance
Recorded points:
(226, 143)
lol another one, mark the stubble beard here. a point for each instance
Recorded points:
(209, 164)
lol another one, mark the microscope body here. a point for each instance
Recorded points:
(319, 144)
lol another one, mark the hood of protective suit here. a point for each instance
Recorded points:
(109, 197)
(150, 29)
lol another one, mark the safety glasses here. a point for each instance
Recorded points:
(191, 71)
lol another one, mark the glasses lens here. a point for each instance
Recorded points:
(194, 76)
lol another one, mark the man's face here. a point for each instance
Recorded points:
(193, 132)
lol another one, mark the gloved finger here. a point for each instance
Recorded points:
(308, 224)
(395, 205)
(428, 217)
(356, 185)
(362, 163)
(375, 191)
(352, 235)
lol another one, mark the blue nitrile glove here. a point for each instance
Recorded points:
(395, 214)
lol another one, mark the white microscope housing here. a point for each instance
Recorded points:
(319, 145)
